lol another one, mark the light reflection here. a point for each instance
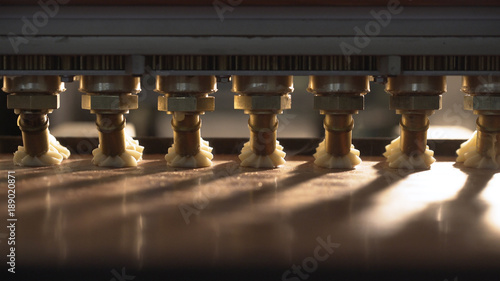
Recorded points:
(491, 195)
(448, 132)
(59, 236)
(394, 207)
(48, 200)
(140, 240)
(439, 214)
(124, 201)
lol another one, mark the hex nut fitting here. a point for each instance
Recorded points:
(339, 103)
(33, 101)
(263, 102)
(118, 102)
(481, 85)
(416, 85)
(417, 102)
(486, 102)
(186, 103)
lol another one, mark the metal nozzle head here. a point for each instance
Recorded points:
(338, 133)
(339, 85)
(481, 85)
(414, 133)
(33, 97)
(111, 133)
(416, 85)
(34, 127)
(182, 85)
(33, 84)
(262, 85)
(488, 134)
(263, 133)
(110, 84)
(186, 134)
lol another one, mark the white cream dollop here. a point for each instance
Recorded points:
(53, 156)
(398, 159)
(202, 159)
(250, 159)
(129, 158)
(468, 154)
(326, 160)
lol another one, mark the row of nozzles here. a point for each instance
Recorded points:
(262, 97)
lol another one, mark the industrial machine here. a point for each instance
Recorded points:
(187, 207)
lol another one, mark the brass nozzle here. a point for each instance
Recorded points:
(262, 98)
(488, 134)
(413, 133)
(483, 97)
(186, 97)
(186, 133)
(338, 98)
(34, 128)
(110, 97)
(111, 133)
(338, 133)
(33, 97)
(263, 133)
(415, 98)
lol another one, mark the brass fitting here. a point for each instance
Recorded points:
(483, 97)
(414, 126)
(488, 133)
(338, 133)
(262, 97)
(186, 97)
(33, 97)
(338, 98)
(109, 94)
(263, 135)
(110, 97)
(111, 133)
(415, 98)
(187, 134)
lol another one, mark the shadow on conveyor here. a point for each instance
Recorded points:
(62, 182)
(306, 172)
(341, 207)
(113, 202)
(477, 180)
(75, 165)
(213, 173)
(459, 221)
(234, 201)
(466, 201)
(464, 208)
(303, 173)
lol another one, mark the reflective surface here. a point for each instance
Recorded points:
(225, 216)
